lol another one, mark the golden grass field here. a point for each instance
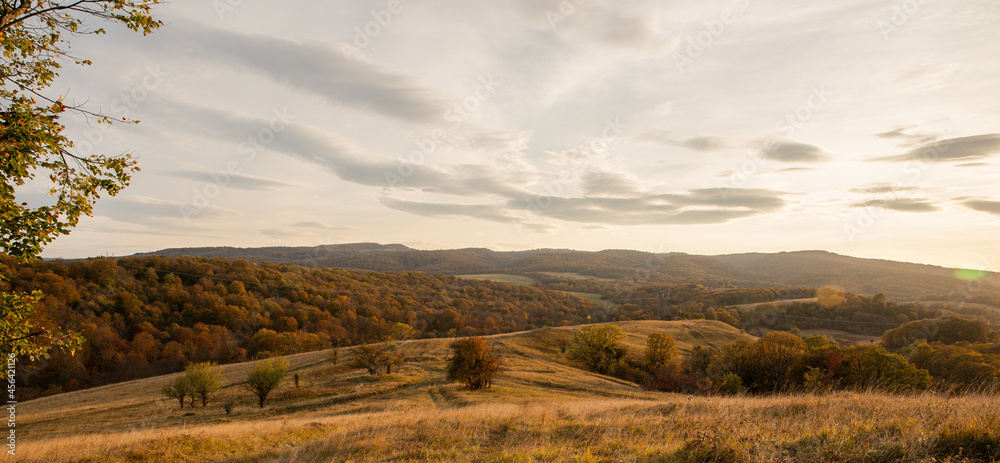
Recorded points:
(539, 410)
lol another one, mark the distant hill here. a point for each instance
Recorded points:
(898, 280)
(863, 276)
(674, 268)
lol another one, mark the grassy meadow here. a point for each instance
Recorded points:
(540, 410)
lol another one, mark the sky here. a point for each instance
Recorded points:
(868, 128)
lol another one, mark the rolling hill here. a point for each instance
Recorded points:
(540, 409)
(898, 280)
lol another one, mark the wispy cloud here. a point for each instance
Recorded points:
(981, 205)
(787, 151)
(955, 149)
(232, 179)
(322, 70)
(900, 204)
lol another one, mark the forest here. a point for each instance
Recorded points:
(147, 316)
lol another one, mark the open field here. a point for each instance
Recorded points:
(527, 281)
(576, 276)
(596, 298)
(539, 410)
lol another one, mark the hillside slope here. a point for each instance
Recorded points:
(540, 409)
(536, 372)
(816, 269)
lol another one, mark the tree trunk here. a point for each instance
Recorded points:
(261, 397)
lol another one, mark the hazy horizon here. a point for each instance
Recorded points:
(867, 129)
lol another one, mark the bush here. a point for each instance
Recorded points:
(375, 358)
(598, 348)
(265, 377)
(204, 379)
(179, 389)
(473, 363)
(872, 367)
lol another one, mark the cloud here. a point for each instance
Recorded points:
(909, 138)
(704, 143)
(876, 189)
(790, 169)
(981, 205)
(333, 74)
(786, 151)
(901, 205)
(346, 157)
(145, 210)
(703, 206)
(234, 180)
(608, 184)
(323, 226)
(698, 143)
(955, 149)
(492, 213)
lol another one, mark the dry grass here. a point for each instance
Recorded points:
(541, 410)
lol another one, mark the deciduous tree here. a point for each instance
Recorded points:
(32, 143)
(265, 377)
(599, 348)
(204, 379)
(474, 363)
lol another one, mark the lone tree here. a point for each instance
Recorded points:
(473, 363)
(179, 389)
(33, 146)
(598, 348)
(204, 379)
(661, 352)
(368, 357)
(265, 377)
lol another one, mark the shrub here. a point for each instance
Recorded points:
(473, 363)
(265, 377)
(179, 389)
(375, 358)
(204, 379)
(872, 367)
(598, 348)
